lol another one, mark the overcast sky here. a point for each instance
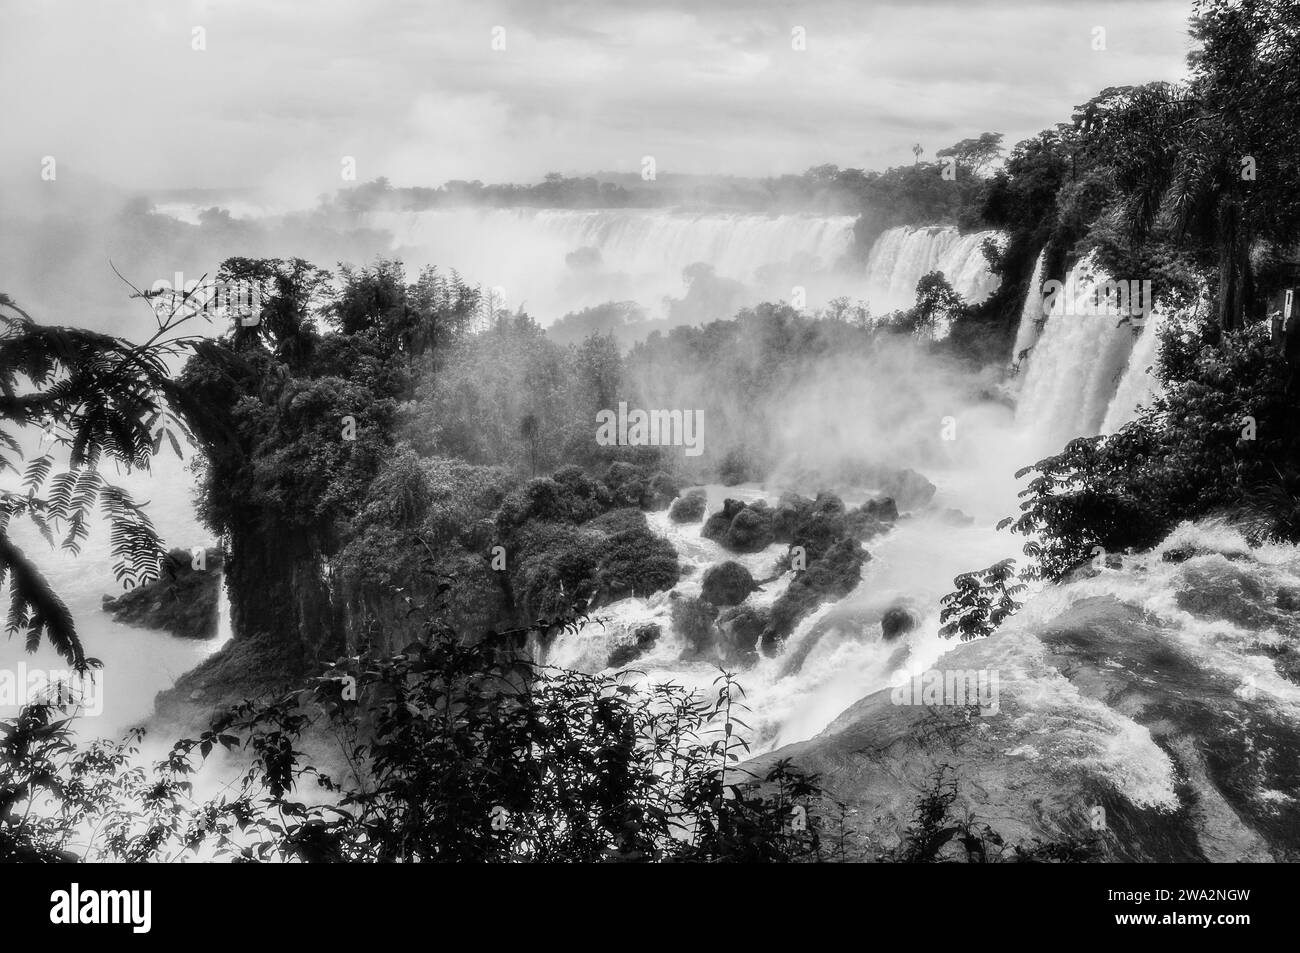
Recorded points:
(414, 91)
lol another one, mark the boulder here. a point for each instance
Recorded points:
(895, 622)
(639, 643)
(952, 517)
(740, 527)
(740, 628)
(182, 600)
(1089, 720)
(882, 508)
(832, 576)
(792, 511)
(688, 508)
(727, 584)
(693, 621)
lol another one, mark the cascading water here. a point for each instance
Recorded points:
(834, 656)
(902, 256)
(640, 255)
(1031, 315)
(1139, 383)
(1075, 369)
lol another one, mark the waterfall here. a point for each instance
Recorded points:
(1139, 384)
(633, 241)
(1031, 315)
(1088, 371)
(225, 632)
(902, 256)
(639, 255)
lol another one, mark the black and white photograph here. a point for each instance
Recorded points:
(660, 432)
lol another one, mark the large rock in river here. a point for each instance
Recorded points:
(182, 600)
(1121, 709)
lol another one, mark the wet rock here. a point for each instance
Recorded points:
(953, 517)
(834, 575)
(740, 527)
(882, 508)
(863, 526)
(688, 508)
(1098, 727)
(908, 488)
(693, 620)
(1288, 599)
(182, 601)
(641, 641)
(792, 511)
(741, 628)
(895, 622)
(727, 584)
(1217, 589)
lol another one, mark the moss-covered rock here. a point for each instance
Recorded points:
(693, 620)
(727, 584)
(895, 622)
(833, 575)
(689, 508)
(740, 629)
(741, 527)
(640, 642)
(631, 485)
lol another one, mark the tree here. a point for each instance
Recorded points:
(936, 300)
(975, 155)
(1211, 165)
(293, 425)
(100, 398)
(528, 430)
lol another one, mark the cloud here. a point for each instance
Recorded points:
(415, 91)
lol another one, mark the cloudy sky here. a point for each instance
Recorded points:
(414, 90)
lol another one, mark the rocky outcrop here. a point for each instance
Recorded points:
(741, 527)
(727, 584)
(182, 600)
(909, 489)
(693, 620)
(641, 640)
(895, 622)
(739, 631)
(1123, 710)
(832, 575)
(688, 508)
(630, 485)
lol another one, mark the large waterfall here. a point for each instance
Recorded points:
(1086, 372)
(901, 256)
(640, 254)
